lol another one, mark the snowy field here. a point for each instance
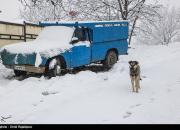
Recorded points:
(98, 98)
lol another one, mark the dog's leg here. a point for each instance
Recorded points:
(132, 82)
(137, 84)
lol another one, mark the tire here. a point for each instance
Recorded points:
(56, 70)
(110, 60)
(19, 73)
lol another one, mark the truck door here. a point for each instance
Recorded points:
(81, 51)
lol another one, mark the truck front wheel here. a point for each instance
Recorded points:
(54, 68)
(111, 59)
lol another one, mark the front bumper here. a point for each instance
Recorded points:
(27, 68)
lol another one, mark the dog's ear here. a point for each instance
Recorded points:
(130, 62)
(136, 62)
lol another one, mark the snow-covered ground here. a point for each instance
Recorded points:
(101, 98)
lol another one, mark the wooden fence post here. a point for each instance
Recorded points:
(24, 31)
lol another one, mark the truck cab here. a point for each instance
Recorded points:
(62, 46)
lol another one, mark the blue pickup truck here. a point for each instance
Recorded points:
(63, 46)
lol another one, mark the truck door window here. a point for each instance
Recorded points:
(81, 34)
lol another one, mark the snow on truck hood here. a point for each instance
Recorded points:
(50, 42)
(53, 37)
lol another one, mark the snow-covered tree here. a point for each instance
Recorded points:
(46, 10)
(132, 10)
(163, 29)
(89, 10)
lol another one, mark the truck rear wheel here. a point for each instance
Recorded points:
(19, 73)
(55, 69)
(111, 59)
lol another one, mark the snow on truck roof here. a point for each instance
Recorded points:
(85, 21)
(91, 24)
(49, 39)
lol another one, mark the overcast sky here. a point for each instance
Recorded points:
(10, 8)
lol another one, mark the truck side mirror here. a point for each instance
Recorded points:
(74, 40)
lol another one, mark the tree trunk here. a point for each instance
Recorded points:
(132, 30)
